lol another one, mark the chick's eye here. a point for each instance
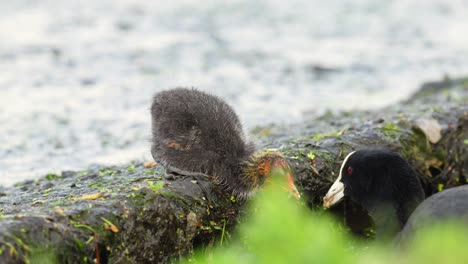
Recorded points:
(350, 170)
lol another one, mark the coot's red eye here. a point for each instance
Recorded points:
(350, 170)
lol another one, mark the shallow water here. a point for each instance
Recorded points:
(76, 77)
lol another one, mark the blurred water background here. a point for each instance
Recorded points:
(77, 77)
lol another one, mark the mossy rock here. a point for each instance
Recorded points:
(134, 214)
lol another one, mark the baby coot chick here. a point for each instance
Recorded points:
(195, 132)
(385, 185)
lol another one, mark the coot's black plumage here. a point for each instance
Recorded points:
(450, 204)
(193, 131)
(386, 186)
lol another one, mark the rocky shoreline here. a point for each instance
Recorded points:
(136, 213)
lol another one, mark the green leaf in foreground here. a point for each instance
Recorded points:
(280, 230)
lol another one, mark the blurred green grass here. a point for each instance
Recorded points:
(279, 229)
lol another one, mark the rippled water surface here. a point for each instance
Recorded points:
(76, 77)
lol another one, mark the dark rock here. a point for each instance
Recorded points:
(140, 216)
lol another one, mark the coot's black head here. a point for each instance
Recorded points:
(381, 181)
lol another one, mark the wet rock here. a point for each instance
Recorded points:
(46, 185)
(66, 174)
(140, 215)
(431, 128)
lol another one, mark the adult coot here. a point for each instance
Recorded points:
(388, 188)
(450, 204)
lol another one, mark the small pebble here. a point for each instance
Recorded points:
(149, 164)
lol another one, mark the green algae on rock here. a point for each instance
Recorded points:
(135, 214)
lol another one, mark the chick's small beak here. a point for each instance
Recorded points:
(283, 172)
(335, 194)
(292, 187)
